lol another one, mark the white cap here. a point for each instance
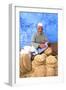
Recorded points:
(40, 24)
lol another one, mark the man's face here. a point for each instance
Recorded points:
(40, 29)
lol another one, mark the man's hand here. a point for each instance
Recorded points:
(42, 45)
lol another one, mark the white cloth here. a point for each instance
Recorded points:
(28, 50)
(40, 24)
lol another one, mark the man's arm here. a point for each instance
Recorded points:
(34, 43)
(46, 39)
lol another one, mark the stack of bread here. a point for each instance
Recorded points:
(51, 66)
(43, 65)
(38, 65)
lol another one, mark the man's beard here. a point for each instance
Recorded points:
(39, 33)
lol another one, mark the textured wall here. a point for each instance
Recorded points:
(28, 26)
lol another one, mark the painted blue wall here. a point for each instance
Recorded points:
(28, 26)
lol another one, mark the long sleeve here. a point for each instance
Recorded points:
(45, 38)
(34, 43)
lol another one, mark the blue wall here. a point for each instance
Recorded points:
(28, 26)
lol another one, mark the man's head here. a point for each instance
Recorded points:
(40, 28)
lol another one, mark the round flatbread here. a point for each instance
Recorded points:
(48, 51)
(51, 60)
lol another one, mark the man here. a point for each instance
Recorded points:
(39, 40)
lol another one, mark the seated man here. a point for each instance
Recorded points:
(39, 40)
(39, 43)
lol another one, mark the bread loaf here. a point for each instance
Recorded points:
(50, 71)
(51, 60)
(48, 51)
(39, 71)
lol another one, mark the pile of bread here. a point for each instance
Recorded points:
(43, 65)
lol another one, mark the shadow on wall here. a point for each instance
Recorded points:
(28, 26)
